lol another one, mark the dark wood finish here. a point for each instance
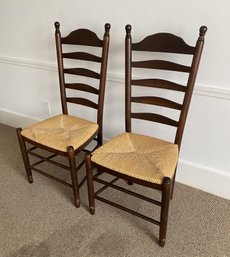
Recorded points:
(82, 87)
(158, 83)
(166, 43)
(89, 174)
(82, 72)
(161, 65)
(82, 101)
(78, 37)
(24, 155)
(153, 100)
(162, 42)
(82, 56)
(155, 117)
(73, 172)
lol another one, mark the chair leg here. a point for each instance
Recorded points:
(73, 171)
(172, 189)
(24, 155)
(173, 183)
(89, 173)
(166, 195)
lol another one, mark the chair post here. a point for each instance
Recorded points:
(128, 77)
(173, 183)
(104, 63)
(89, 173)
(166, 194)
(24, 156)
(73, 171)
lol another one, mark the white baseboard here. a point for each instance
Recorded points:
(16, 120)
(204, 178)
(197, 176)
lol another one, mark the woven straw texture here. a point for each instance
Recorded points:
(61, 131)
(139, 156)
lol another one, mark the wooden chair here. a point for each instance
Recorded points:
(137, 158)
(65, 134)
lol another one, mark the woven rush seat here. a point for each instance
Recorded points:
(61, 131)
(143, 157)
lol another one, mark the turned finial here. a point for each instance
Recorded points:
(57, 25)
(128, 29)
(107, 28)
(203, 30)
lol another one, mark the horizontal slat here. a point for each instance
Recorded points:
(47, 159)
(156, 101)
(111, 184)
(161, 65)
(164, 42)
(155, 117)
(128, 210)
(158, 83)
(82, 87)
(82, 56)
(81, 101)
(51, 177)
(83, 72)
(82, 37)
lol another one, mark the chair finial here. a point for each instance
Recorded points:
(107, 28)
(57, 25)
(203, 30)
(128, 29)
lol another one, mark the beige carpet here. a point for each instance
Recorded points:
(39, 219)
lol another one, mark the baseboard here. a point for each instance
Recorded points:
(204, 178)
(16, 120)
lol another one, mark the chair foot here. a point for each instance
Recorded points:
(162, 242)
(92, 210)
(77, 203)
(130, 183)
(30, 179)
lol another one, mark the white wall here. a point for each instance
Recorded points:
(28, 70)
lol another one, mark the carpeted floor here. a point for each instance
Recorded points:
(39, 219)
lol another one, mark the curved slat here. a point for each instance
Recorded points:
(82, 87)
(83, 72)
(157, 101)
(158, 83)
(161, 65)
(82, 37)
(164, 42)
(82, 56)
(155, 117)
(81, 101)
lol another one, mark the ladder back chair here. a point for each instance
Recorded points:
(67, 135)
(142, 159)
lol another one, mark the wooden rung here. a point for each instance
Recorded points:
(155, 118)
(156, 101)
(158, 83)
(82, 87)
(47, 159)
(82, 101)
(128, 210)
(51, 177)
(110, 184)
(161, 65)
(83, 72)
(82, 56)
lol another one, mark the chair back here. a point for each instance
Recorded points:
(161, 44)
(84, 43)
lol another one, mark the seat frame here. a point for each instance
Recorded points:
(167, 185)
(28, 147)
